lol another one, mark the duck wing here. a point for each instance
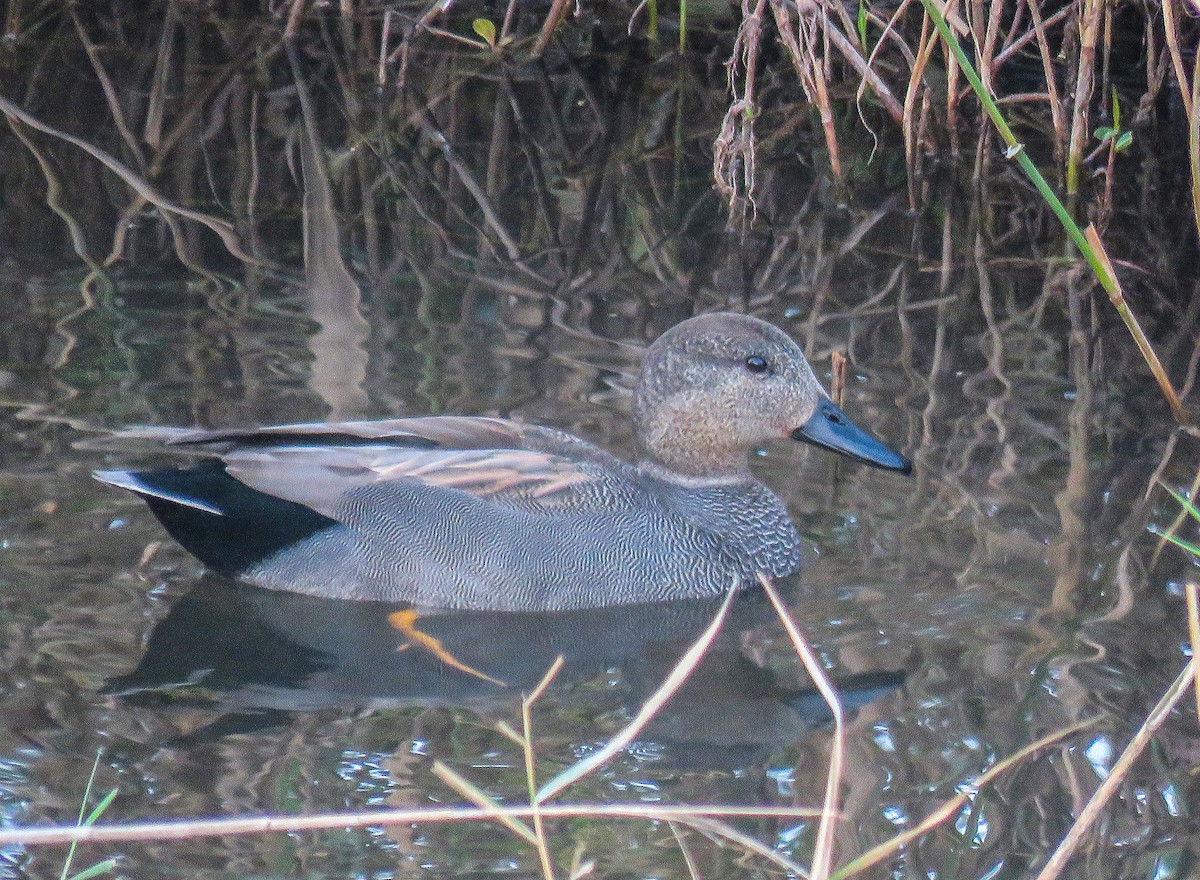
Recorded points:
(318, 465)
(320, 478)
(429, 432)
(440, 512)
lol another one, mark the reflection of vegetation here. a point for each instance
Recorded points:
(435, 154)
(1089, 244)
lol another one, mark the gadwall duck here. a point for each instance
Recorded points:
(491, 514)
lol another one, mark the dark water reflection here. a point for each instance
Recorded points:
(1011, 579)
(229, 647)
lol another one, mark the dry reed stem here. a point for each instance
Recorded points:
(649, 709)
(539, 830)
(686, 851)
(823, 851)
(1194, 137)
(506, 27)
(557, 10)
(953, 72)
(1088, 30)
(809, 69)
(192, 829)
(1171, 27)
(986, 54)
(1190, 591)
(1112, 286)
(1087, 817)
(807, 31)
(951, 807)
(837, 385)
(481, 799)
(293, 19)
(1037, 32)
(894, 108)
(579, 867)
(733, 150)
(385, 36)
(914, 92)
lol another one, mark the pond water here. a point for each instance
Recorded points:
(507, 243)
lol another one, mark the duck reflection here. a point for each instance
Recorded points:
(258, 655)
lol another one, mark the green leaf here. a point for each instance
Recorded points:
(1178, 542)
(1193, 512)
(486, 30)
(1124, 140)
(100, 808)
(1103, 133)
(1183, 500)
(95, 870)
(862, 23)
(1116, 109)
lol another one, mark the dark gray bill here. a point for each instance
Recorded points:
(830, 428)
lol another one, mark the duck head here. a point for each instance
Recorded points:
(717, 386)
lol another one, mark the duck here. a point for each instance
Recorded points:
(490, 514)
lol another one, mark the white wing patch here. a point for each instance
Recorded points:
(129, 480)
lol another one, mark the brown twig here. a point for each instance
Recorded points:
(1089, 30)
(1120, 770)
(823, 851)
(649, 709)
(192, 829)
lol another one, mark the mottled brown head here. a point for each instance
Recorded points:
(714, 387)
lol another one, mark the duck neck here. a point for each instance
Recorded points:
(681, 444)
(703, 468)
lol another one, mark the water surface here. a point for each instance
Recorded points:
(1006, 590)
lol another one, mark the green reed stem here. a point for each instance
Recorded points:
(1089, 245)
(1016, 150)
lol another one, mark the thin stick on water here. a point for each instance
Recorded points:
(536, 835)
(686, 851)
(194, 829)
(837, 384)
(666, 690)
(823, 852)
(1087, 817)
(485, 802)
(954, 805)
(530, 771)
(1190, 590)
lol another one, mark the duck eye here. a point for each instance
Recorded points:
(757, 364)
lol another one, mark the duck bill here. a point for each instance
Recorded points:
(831, 429)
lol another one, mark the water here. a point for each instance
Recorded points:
(1006, 590)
